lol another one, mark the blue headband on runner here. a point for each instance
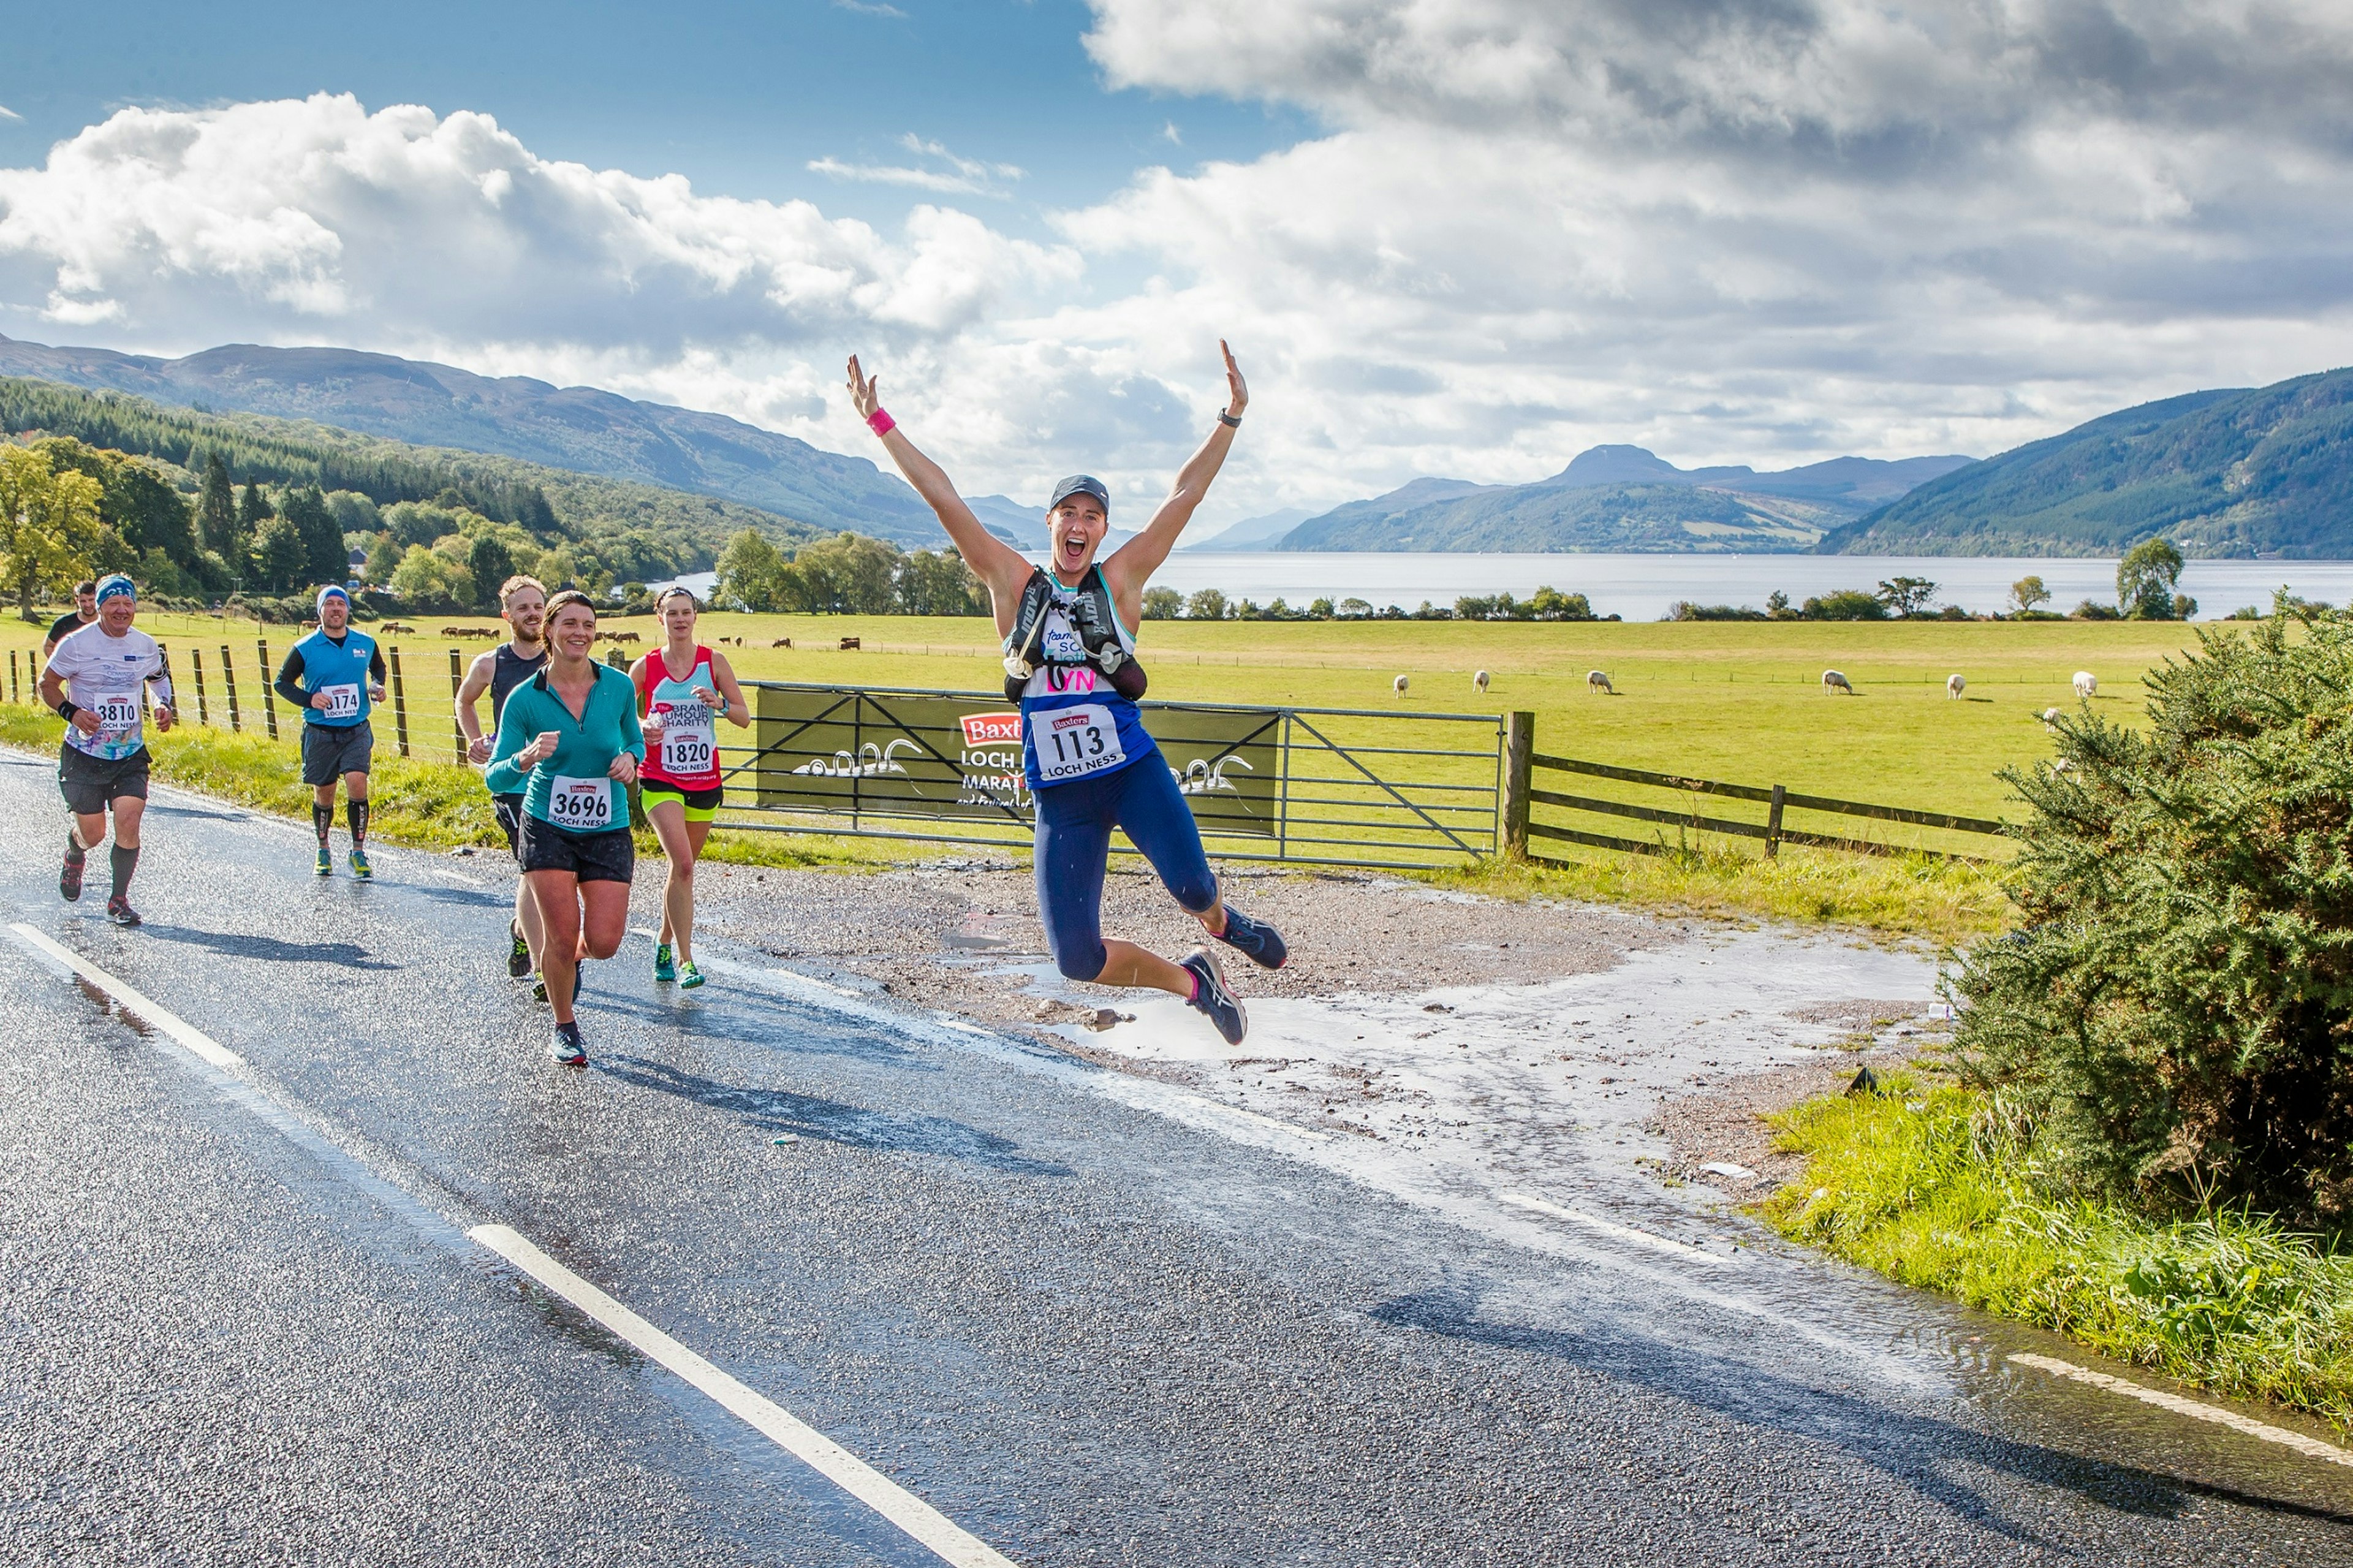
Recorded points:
(332, 592)
(116, 582)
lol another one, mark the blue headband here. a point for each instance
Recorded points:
(109, 586)
(333, 592)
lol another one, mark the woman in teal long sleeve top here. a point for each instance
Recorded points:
(569, 741)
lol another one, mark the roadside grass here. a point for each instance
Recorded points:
(1927, 1183)
(1911, 897)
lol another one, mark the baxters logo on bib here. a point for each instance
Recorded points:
(1076, 719)
(991, 729)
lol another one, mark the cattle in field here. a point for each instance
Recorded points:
(782, 642)
(1833, 681)
(1598, 680)
(848, 644)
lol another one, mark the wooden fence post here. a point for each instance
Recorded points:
(457, 731)
(1772, 823)
(196, 662)
(1511, 811)
(15, 694)
(229, 682)
(399, 704)
(268, 708)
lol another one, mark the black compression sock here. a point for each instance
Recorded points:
(356, 813)
(73, 847)
(323, 817)
(125, 862)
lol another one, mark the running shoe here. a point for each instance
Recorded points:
(564, 1044)
(1254, 940)
(1211, 996)
(689, 976)
(538, 986)
(326, 862)
(663, 968)
(519, 955)
(119, 910)
(69, 879)
(359, 868)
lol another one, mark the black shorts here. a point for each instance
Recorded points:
(509, 808)
(331, 750)
(608, 856)
(88, 783)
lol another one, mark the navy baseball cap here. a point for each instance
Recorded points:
(1080, 485)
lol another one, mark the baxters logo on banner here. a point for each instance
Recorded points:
(992, 760)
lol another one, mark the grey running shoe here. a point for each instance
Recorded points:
(564, 1044)
(1254, 940)
(1211, 996)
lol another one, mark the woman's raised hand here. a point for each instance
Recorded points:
(1237, 390)
(864, 396)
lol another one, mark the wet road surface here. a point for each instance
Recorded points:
(1086, 1319)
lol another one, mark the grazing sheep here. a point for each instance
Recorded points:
(2050, 716)
(1598, 680)
(2087, 685)
(1479, 681)
(1954, 684)
(1398, 685)
(2063, 766)
(1833, 681)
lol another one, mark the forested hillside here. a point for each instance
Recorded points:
(2267, 471)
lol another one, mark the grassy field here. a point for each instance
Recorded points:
(1740, 702)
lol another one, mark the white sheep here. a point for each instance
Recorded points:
(1479, 681)
(2050, 716)
(1399, 685)
(2087, 685)
(1833, 681)
(1954, 684)
(1598, 680)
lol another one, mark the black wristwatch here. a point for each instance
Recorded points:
(1231, 421)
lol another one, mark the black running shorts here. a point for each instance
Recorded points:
(608, 856)
(331, 750)
(88, 783)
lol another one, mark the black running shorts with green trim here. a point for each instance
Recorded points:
(88, 783)
(608, 856)
(329, 751)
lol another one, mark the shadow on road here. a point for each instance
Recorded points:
(271, 948)
(1917, 1450)
(780, 1111)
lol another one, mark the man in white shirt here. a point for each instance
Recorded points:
(95, 680)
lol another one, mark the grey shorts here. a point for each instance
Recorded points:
(328, 752)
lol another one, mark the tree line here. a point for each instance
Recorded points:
(2147, 582)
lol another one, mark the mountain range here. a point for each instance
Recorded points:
(575, 428)
(1623, 498)
(2243, 472)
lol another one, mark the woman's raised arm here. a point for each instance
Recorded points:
(994, 562)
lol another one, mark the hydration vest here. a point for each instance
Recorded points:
(1104, 643)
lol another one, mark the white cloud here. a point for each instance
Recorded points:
(1737, 230)
(867, 9)
(9, 113)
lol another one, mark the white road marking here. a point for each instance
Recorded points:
(2190, 1407)
(187, 1035)
(926, 1524)
(1622, 1232)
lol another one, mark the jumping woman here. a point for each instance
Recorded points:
(1070, 660)
(568, 740)
(683, 690)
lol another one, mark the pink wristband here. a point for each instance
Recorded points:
(881, 423)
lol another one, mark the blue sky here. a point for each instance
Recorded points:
(1460, 237)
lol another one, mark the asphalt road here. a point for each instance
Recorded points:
(242, 1319)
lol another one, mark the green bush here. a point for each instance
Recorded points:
(2176, 1008)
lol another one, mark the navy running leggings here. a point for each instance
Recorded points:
(1074, 824)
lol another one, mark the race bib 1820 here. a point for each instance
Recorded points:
(687, 744)
(343, 702)
(583, 806)
(1073, 743)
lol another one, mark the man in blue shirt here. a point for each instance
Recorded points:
(334, 676)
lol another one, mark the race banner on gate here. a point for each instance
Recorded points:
(958, 755)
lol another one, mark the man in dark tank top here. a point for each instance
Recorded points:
(523, 603)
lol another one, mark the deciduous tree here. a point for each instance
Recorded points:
(48, 525)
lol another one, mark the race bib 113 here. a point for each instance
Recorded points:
(1071, 743)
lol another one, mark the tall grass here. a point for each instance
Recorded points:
(1932, 1185)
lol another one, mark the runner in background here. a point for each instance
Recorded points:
(95, 679)
(523, 602)
(568, 739)
(84, 612)
(1071, 662)
(683, 689)
(334, 676)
